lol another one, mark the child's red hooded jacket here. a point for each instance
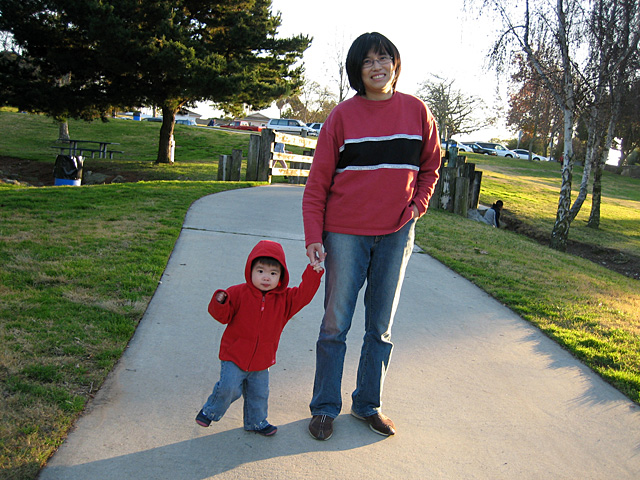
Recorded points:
(255, 319)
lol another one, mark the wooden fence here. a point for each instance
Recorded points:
(263, 161)
(458, 189)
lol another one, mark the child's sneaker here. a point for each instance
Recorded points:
(203, 420)
(268, 430)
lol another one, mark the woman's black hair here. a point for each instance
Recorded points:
(359, 50)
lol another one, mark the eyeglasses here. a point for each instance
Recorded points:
(383, 60)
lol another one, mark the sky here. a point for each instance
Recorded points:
(433, 38)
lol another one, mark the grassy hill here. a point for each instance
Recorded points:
(196, 157)
(78, 266)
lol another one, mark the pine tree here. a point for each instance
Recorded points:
(169, 53)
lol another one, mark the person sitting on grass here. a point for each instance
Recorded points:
(255, 313)
(492, 215)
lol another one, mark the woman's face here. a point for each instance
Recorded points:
(378, 73)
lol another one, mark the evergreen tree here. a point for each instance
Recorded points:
(88, 56)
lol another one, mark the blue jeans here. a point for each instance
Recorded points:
(253, 386)
(352, 259)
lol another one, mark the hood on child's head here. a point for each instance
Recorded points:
(267, 248)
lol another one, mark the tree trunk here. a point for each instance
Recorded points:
(560, 232)
(596, 197)
(166, 133)
(63, 131)
(591, 156)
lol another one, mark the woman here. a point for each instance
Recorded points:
(373, 173)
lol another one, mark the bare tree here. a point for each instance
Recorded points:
(567, 27)
(614, 35)
(455, 112)
(340, 77)
(628, 129)
(532, 108)
(560, 26)
(312, 104)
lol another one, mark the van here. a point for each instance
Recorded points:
(289, 125)
(499, 149)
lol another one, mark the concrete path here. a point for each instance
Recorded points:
(475, 391)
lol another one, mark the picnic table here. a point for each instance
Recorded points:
(93, 146)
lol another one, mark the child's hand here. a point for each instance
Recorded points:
(221, 297)
(315, 254)
(317, 268)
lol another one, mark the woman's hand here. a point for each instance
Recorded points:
(316, 254)
(416, 212)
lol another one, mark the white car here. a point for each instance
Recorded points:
(499, 149)
(461, 146)
(524, 154)
(316, 127)
(289, 125)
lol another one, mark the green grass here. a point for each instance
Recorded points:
(530, 191)
(198, 149)
(588, 309)
(78, 266)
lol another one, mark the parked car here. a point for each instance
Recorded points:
(451, 141)
(315, 126)
(499, 149)
(522, 153)
(289, 125)
(484, 151)
(465, 147)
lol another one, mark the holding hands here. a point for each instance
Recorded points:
(316, 256)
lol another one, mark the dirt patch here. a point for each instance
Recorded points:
(41, 174)
(620, 262)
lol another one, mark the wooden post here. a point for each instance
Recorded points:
(468, 172)
(252, 158)
(267, 138)
(448, 188)
(461, 197)
(474, 196)
(236, 165)
(452, 152)
(434, 202)
(223, 168)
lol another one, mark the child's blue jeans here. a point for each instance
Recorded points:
(234, 382)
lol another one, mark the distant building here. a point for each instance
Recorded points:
(254, 120)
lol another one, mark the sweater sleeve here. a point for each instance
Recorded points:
(222, 312)
(314, 200)
(430, 159)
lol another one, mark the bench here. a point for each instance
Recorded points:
(81, 151)
(111, 152)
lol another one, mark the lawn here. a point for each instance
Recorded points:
(78, 266)
(198, 149)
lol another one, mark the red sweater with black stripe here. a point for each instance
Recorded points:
(373, 161)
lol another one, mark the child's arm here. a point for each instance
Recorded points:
(220, 308)
(298, 297)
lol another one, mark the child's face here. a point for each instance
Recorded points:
(265, 277)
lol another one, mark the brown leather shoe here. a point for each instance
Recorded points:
(379, 423)
(321, 427)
